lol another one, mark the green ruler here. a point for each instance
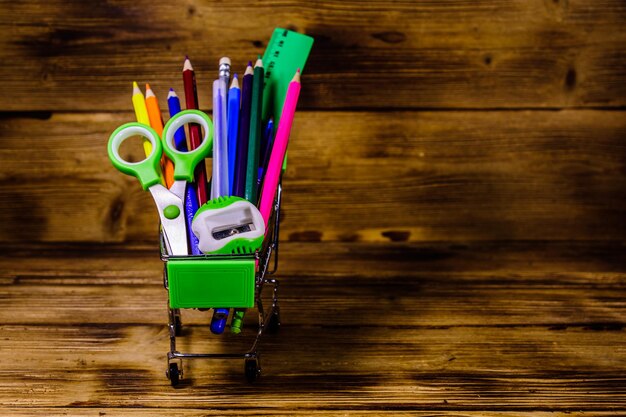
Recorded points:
(286, 52)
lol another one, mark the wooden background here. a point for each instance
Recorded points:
(453, 235)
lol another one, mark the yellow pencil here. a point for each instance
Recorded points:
(141, 112)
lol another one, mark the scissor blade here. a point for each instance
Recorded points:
(175, 229)
(178, 188)
(166, 243)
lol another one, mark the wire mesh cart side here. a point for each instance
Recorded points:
(223, 281)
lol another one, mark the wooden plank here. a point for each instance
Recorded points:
(353, 362)
(483, 284)
(596, 263)
(385, 302)
(353, 176)
(497, 369)
(448, 54)
(203, 412)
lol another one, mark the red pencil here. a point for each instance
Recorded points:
(195, 135)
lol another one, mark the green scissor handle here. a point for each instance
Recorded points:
(185, 162)
(147, 171)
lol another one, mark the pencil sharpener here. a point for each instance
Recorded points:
(228, 225)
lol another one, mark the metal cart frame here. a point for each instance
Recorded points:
(268, 320)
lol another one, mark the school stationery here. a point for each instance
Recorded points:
(266, 148)
(229, 225)
(255, 133)
(173, 105)
(191, 198)
(274, 168)
(241, 160)
(237, 321)
(234, 100)
(169, 202)
(191, 100)
(141, 113)
(224, 75)
(218, 321)
(156, 122)
(239, 314)
(285, 53)
(219, 180)
(241, 240)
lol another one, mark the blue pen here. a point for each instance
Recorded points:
(266, 148)
(234, 99)
(191, 197)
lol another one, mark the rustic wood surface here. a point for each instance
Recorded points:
(77, 55)
(459, 334)
(380, 177)
(453, 233)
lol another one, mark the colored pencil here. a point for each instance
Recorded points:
(156, 122)
(255, 133)
(141, 113)
(274, 168)
(234, 100)
(173, 104)
(219, 180)
(191, 197)
(195, 134)
(241, 160)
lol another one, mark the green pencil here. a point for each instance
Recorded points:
(256, 112)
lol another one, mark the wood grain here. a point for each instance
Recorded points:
(454, 285)
(203, 412)
(320, 367)
(341, 301)
(594, 263)
(448, 54)
(374, 329)
(353, 176)
(453, 222)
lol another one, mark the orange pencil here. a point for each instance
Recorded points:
(156, 122)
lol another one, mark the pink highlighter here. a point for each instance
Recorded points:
(274, 167)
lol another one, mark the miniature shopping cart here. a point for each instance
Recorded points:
(222, 281)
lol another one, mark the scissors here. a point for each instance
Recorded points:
(170, 202)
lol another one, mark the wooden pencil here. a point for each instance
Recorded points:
(241, 160)
(234, 102)
(156, 122)
(141, 113)
(191, 197)
(254, 141)
(195, 135)
(277, 156)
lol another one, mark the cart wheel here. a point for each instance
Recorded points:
(174, 374)
(252, 369)
(274, 322)
(178, 325)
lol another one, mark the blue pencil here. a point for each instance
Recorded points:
(234, 99)
(191, 197)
